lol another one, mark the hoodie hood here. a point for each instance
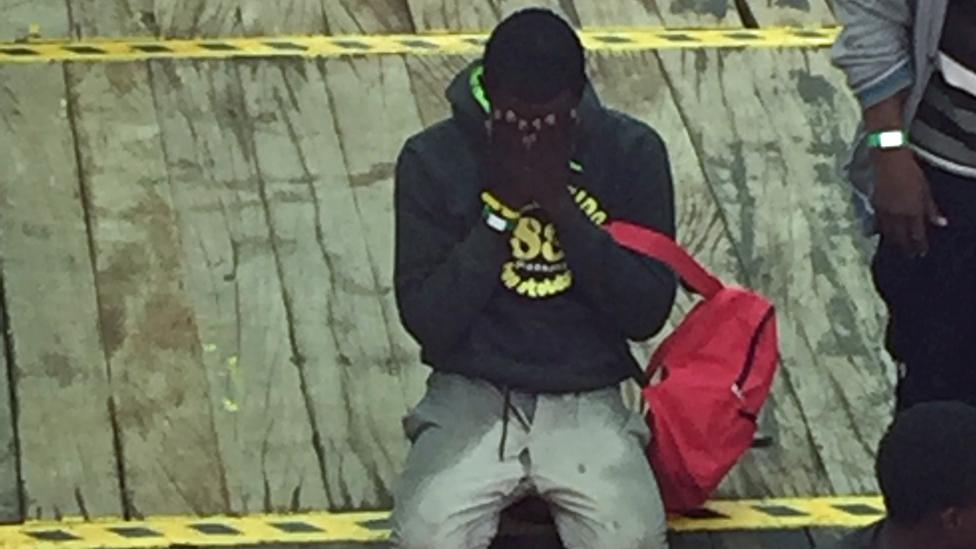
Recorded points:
(470, 103)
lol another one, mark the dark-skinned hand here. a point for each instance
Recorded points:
(903, 201)
(531, 147)
(506, 159)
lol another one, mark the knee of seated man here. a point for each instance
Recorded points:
(413, 530)
(431, 523)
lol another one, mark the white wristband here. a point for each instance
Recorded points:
(891, 139)
(496, 222)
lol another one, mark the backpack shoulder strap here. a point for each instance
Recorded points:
(663, 248)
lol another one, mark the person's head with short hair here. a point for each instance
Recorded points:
(926, 467)
(534, 56)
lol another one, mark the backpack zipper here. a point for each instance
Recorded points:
(751, 355)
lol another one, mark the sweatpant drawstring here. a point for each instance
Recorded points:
(505, 405)
(508, 408)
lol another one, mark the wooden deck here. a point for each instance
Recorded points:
(197, 255)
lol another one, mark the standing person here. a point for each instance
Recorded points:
(912, 66)
(926, 468)
(523, 305)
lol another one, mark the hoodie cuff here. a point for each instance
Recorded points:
(483, 250)
(891, 82)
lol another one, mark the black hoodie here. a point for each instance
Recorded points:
(528, 311)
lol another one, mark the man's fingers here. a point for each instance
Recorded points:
(934, 215)
(918, 239)
(895, 231)
(900, 234)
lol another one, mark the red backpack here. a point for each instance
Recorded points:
(717, 369)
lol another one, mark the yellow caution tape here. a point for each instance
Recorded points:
(773, 514)
(138, 49)
(783, 514)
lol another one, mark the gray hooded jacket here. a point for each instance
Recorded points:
(886, 46)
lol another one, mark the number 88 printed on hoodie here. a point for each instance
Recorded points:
(538, 268)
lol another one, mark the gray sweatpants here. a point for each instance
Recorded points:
(582, 452)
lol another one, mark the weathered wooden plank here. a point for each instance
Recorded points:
(181, 18)
(698, 13)
(13, 168)
(17, 16)
(776, 180)
(475, 15)
(429, 77)
(11, 506)
(609, 14)
(169, 449)
(277, 17)
(455, 15)
(351, 364)
(801, 13)
(367, 16)
(112, 18)
(281, 17)
(216, 18)
(372, 129)
(260, 412)
(66, 447)
(195, 18)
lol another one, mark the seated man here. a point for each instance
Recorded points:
(523, 305)
(927, 471)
